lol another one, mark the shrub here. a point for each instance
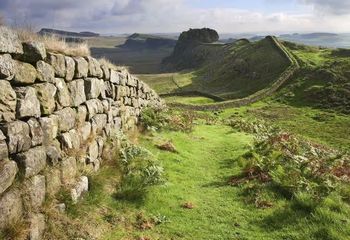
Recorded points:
(292, 165)
(139, 170)
(153, 119)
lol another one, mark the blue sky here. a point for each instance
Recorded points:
(226, 16)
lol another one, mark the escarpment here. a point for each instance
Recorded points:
(56, 113)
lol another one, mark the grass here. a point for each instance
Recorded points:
(321, 126)
(197, 203)
(168, 82)
(190, 100)
(54, 44)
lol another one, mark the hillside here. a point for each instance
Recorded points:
(50, 31)
(232, 70)
(322, 82)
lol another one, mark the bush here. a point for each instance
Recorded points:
(139, 170)
(152, 119)
(292, 165)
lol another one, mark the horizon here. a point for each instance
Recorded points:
(165, 16)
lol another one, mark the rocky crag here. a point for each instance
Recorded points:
(56, 113)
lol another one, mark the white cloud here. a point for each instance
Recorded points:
(112, 16)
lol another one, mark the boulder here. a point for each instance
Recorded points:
(7, 67)
(36, 132)
(46, 93)
(9, 41)
(8, 102)
(37, 226)
(45, 72)
(33, 52)
(8, 171)
(35, 192)
(70, 65)
(28, 104)
(49, 127)
(93, 87)
(25, 73)
(18, 138)
(31, 162)
(58, 62)
(77, 92)
(94, 68)
(66, 119)
(10, 208)
(81, 187)
(81, 67)
(53, 181)
(62, 96)
(68, 170)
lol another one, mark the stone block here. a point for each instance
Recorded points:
(8, 102)
(11, 208)
(25, 73)
(46, 93)
(36, 132)
(58, 62)
(70, 65)
(7, 67)
(94, 68)
(77, 92)
(53, 181)
(8, 171)
(31, 162)
(81, 187)
(70, 140)
(33, 52)
(49, 127)
(35, 192)
(18, 138)
(28, 104)
(37, 226)
(66, 119)
(63, 97)
(68, 170)
(45, 71)
(81, 67)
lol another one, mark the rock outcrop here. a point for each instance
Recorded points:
(56, 112)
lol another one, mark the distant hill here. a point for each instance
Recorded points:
(147, 41)
(50, 31)
(319, 39)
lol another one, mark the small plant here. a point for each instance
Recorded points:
(153, 119)
(139, 170)
(183, 121)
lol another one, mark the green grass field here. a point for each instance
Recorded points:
(198, 174)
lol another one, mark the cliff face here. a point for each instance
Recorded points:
(56, 112)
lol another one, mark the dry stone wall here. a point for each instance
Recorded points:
(56, 113)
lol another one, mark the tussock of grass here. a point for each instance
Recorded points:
(54, 44)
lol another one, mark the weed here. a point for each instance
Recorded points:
(139, 170)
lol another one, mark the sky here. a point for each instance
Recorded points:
(166, 16)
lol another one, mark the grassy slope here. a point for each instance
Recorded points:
(323, 81)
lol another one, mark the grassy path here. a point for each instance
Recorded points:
(198, 174)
